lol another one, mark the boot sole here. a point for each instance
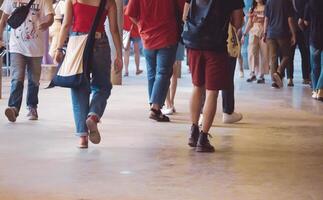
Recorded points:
(10, 114)
(94, 135)
(203, 150)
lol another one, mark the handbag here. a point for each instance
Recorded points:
(234, 46)
(126, 38)
(19, 15)
(75, 69)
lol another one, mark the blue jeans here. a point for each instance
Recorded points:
(19, 63)
(100, 87)
(228, 95)
(317, 68)
(159, 71)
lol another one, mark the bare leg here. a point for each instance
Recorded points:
(196, 103)
(209, 109)
(137, 57)
(126, 61)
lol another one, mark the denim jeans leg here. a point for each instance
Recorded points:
(18, 68)
(101, 83)
(316, 66)
(228, 95)
(151, 64)
(80, 101)
(319, 85)
(33, 70)
(165, 61)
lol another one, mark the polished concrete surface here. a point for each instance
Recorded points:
(275, 153)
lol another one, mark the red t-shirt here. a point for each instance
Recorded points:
(127, 23)
(157, 21)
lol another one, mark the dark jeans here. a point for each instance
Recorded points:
(228, 95)
(303, 46)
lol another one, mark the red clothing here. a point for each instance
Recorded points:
(84, 16)
(156, 21)
(127, 23)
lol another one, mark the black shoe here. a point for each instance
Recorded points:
(158, 116)
(203, 143)
(290, 83)
(252, 78)
(194, 135)
(274, 85)
(261, 80)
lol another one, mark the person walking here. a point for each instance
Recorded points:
(208, 60)
(280, 35)
(135, 39)
(87, 113)
(27, 47)
(257, 49)
(314, 19)
(158, 27)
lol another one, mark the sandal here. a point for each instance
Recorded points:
(84, 144)
(158, 116)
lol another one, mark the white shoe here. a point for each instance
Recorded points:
(241, 74)
(314, 95)
(201, 120)
(168, 111)
(229, 119)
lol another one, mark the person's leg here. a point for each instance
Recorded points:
(164, 70)
(253, 57)
(305, 54)
(284, 46)
(34, 71)
(172, 89)
(240, 60)
(100, 86)
(126, 61)
(137, 57)
(290, 65)
(264, 63)
(18, 68)
(151, 64)
(228, 101)
(273, 59)
(319, 86)
(316, 66)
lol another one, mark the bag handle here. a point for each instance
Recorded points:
(206, 11)
(87, 54)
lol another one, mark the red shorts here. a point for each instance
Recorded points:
(209, 69)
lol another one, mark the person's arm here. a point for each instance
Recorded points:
(67, 23)
(264, 37)
(132, 11)
(113, 24)
(185, 11)
(48, 20)
(3, 23)
(248, 27)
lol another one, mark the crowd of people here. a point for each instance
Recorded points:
(210, 31)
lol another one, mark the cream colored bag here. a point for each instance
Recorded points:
(70, 73)
(234, 46)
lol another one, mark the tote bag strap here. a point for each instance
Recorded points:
(30, 3)
(91, 39)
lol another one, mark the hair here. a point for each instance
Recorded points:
(254, 5)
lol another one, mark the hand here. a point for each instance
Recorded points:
(118, 64)
(264, 38)
(58, 57)
(42, 26)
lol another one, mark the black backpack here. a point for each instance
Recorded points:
(19, 15)
(204, 29)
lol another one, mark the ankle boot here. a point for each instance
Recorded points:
(203, 143)
(194, 135)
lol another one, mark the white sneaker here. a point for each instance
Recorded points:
(168, 111)
(314, 95)
(229, 119)
(241, 74)
(201, 120)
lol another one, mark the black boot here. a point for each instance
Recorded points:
(194, 135)
(203, 143)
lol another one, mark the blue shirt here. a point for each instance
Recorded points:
(278, 12)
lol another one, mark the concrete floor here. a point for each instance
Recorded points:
(275, 153)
